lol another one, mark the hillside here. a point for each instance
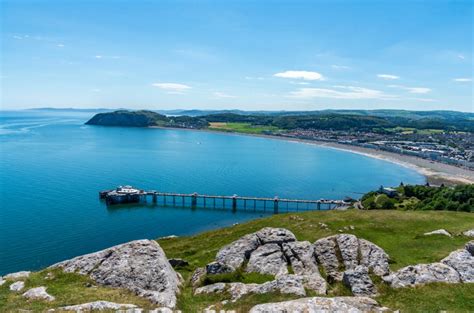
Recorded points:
(399, 233)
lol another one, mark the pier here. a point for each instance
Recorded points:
(128, 194)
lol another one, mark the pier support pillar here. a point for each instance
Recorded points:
(194, 200)
(275, 205)
(234, 202)
(155, 197)
(318, 206)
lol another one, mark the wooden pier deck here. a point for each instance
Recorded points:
(234, 202)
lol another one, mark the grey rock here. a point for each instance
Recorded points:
(38, 293)
(268, 259)
(236, 253)
(374, 258)
(98, 305)
(218, 268)
(17, 286)
(197, 276)
(287, 284)
(463, 262)
(178, 262)
(140, 266)
(275, 235)
(349, 248)
(422, 274)
(470, 247)
(358, 280)
(214, 288)
(17, 275)
(300, 254)
(325, 252)
(469, 233)
(321, 305)
(443, 232)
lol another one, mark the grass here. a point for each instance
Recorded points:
(246, 128)
(398, 232)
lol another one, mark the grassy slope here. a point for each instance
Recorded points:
(245, 128)
(399, 233)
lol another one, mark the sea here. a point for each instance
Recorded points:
(52, 167)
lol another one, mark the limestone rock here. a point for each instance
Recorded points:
(140, 266)
(98, 305)
(349, 248)
(197, 276)
(268, 259)
(17, 286)
(275, 235)
(443, 232)
(38, 293)
(469, 233)
(374, 258)
(218, 268)
(463, 262)
(214, 288)
(470, 247)
(234, 254)
(359, 281)
(422, 274)
(300, 254)
(17, 275)
(325, 252)
(318, 304)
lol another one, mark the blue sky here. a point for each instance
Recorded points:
(252, 55)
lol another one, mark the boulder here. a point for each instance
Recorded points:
(325, 252)
(443, 232)
(300, 255)
(236, 253)
(275, 235)
(374, 258)
(214, 288)
(178, 262)
(98, 306)
(218, 268)
(422, 274)
(268, 259)
(318, 304)
(463, 262)
(17, 275)
(17, 286)
(38, 293)
(197, 276)
(358, 280)
(349, 248)
(140, 266)
(469, 233)
(470, 247)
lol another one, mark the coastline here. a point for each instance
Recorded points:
(435, 173)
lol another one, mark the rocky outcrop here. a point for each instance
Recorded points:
(374, 258)
(17, 275)
(234, 255)
(349, 249)
(38, 293)
(197, 276)
(17, 286)
(275, 235)
(358, 280)
(443, 232)
(214, 288)
(98, 306)
(422, 274)
(469, 233)
(317, 304)
(140, 266)
(462, 261)
(325, 252)
(268, 259)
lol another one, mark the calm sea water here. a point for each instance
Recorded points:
(52, 167)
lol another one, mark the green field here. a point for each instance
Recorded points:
(246, 128)
(398, 232)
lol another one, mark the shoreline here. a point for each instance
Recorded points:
(436, 173)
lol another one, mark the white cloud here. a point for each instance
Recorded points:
(173, 88)
(306, 75)
(219, 94)
(107, 57)
(462, 80)
(340, 67)
(417, 90)
(98, 57)
(462, 57)
(60, 45)
(253, 78)
(341, 92)
(388, 76)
